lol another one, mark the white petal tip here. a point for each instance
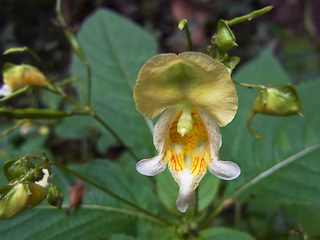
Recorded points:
(225, 170)
(152, 166)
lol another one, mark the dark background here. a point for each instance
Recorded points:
(293, 26)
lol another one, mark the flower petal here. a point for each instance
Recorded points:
(152, 166)
(186, 192)
(161, 128)
(224, 169)
(188, 182)
(167, 80)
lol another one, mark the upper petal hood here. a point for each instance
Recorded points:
(167, 80)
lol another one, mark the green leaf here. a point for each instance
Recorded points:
(116, 49)
(284, 166)
(221, 233)
(100, 215)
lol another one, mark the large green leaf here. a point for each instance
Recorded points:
(100, 216)
(285, 165)
(221, 233)
(116, 49)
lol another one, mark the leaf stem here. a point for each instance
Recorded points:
(249, 16)
(113, 133)
(183, 25)
(75, 47)
(88, 181)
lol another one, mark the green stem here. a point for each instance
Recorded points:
(88, 181)
(113, 133)
(75, 47)
(249, 16)
(253, 133)
(14, 94)
(183, 24)
(250, 85)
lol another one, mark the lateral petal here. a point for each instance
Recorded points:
(152, 166)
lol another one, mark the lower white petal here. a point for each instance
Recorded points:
(186, 194)
(224, 169)
(152, 166)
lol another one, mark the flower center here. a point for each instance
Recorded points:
(190, 150)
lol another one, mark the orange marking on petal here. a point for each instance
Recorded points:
(176, 161)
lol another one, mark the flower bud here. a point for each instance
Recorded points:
(19, 76)
(15, 169)
(279, 101)
(14, 199)
(38, 194)
(54, 196)
(224, 38)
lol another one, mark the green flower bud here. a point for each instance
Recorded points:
(277, 101)
(38, 194)
(54, 196)
(14, 199)
(15, 169)
(224, 38)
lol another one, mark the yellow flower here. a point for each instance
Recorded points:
(200, 97)
(19, 76)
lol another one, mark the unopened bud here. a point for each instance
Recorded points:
(277, 101)
(19, 76)
(54, 196)
(224, 38)
(13, 201)
(15, 169)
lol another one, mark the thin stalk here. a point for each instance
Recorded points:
(105, 190)
(113, 133)
(75, 47)
(249, 16)
(250, 85)
(183, 25)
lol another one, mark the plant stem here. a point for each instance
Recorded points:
(88, 181)
(249, 16)
(183, 25)
(75, 47)
(250, 85)
(113, 133)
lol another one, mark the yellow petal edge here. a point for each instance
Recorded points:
(170, 80)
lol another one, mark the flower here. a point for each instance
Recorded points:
(197, 96)
(19, 76)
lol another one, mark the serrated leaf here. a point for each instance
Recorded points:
(116, 49)
(284, 166)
